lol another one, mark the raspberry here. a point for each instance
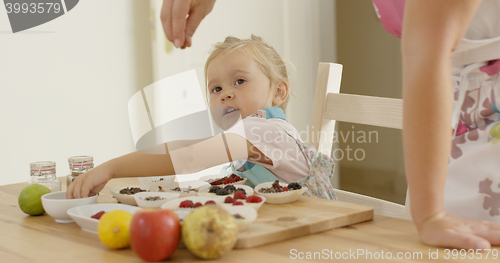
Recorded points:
(198, 204)
(98, 215)
(229, 200)
(237, 203)
(254, 199)
(241, 189)
(186, 204)
(285, 189)
(210, 202)
(218, 182)
(229, 181)
(240, 195)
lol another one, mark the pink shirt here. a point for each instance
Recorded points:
(484, 26)
(289, 163)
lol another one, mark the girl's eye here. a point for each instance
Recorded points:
(240, 81)
(216, 89)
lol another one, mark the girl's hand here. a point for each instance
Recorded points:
(90, 183)
(445, 230)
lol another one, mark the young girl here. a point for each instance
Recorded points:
(247, 88)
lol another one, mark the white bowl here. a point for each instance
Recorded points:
(82, 214)
(280, 198)
(255, 206)
(183, 212)
(129, 199)
(157, 179)
(249, 215)
(56, 205)
(174, 204)
(197, 185)
(193, 184)
(140, 199)
(159, 182)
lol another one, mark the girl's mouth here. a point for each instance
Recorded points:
(228, 110)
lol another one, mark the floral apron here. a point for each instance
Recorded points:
(320, 166)
(320, 172)
(472, 188)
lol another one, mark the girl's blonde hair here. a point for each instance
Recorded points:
(265, 55)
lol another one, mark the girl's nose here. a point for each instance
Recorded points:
(227, 95)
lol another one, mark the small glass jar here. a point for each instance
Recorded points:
(44, 173)
(79, 165)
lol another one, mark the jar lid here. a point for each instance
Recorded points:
(80, 160)
(43, 166)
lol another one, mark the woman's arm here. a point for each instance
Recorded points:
(432, 30)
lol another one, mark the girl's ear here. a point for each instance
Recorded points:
(281, 93)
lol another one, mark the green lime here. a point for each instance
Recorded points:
(30, 199)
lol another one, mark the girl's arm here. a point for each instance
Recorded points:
(431, 31)
(182, 157)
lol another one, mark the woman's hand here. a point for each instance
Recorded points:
(90, 183)
(177, 25)
(445, 230)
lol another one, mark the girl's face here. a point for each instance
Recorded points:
(237, 87)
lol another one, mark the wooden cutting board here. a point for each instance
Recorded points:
(305, 216)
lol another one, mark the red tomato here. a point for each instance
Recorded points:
(155, 234)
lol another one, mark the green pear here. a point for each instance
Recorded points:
(209, 232)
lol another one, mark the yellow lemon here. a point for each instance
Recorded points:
(113, 229)
(30, 199)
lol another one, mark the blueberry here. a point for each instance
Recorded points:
(214, 189)
(222, 191)
(294, 186)
(230, 187)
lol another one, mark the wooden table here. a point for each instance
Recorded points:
(40, 239)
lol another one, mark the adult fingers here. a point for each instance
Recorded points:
(180, 10)
(456, 239)
(197, 14)
(166, 19)
(488, 230)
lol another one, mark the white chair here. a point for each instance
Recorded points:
(330, 106)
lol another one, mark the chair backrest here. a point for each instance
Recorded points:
(330, 106)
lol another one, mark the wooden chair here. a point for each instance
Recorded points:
(330, 106)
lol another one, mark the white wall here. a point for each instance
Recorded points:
(64, 85)
(302, 31)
